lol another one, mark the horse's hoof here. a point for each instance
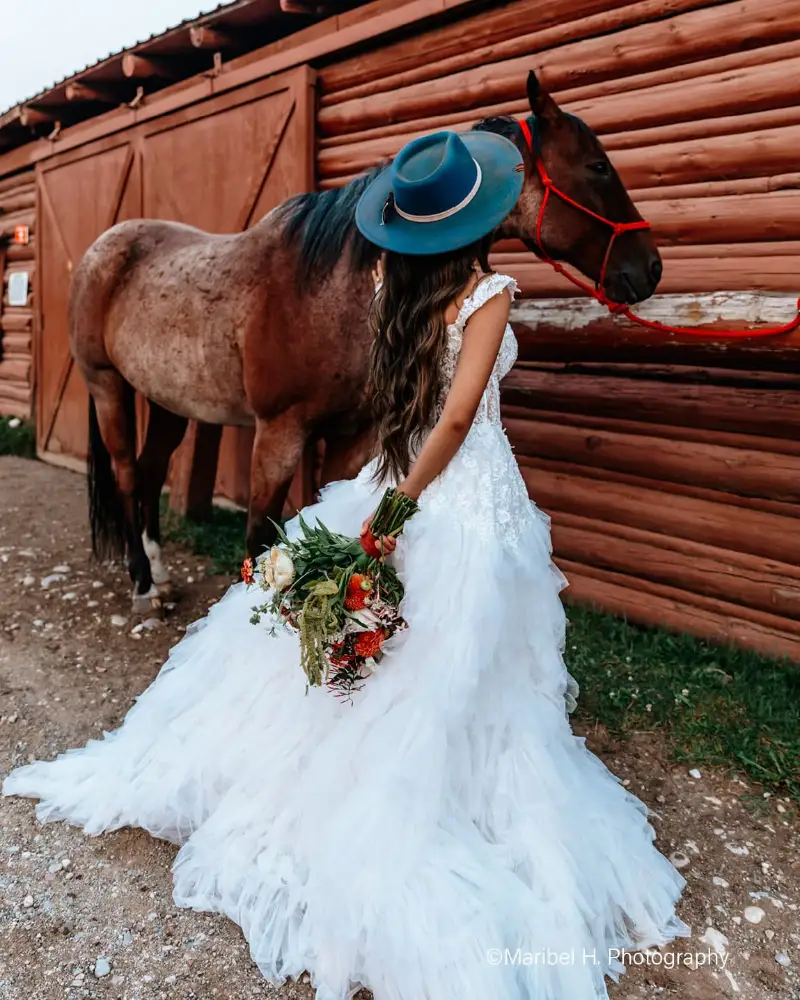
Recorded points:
(147, 606)
(166, 590)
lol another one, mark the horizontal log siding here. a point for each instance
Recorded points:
(670, 464)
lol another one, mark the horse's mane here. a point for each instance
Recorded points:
(321, 225)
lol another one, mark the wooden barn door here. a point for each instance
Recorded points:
(222, 166)
(78, 200)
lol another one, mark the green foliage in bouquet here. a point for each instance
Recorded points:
(336, 593)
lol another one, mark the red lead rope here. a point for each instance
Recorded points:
(617, 228)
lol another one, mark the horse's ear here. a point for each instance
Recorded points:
(542, 104)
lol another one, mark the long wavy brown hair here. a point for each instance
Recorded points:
(409, 342)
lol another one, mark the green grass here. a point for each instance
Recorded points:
(17, 440)
(720, 705)
(221, 537)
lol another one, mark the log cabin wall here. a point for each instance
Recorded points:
(670, 466)
(17, 208)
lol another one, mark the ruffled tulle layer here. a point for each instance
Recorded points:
(444, 835)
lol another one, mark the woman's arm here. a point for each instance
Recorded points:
(483, 335)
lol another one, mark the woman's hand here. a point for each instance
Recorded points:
(385, 545)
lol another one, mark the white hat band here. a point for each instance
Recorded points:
(438, 216)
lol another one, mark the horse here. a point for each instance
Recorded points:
(269, 327)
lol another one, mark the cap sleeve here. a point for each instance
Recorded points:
(486, 289)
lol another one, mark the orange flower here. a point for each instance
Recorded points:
(247, 571)
(369, 543)
(369, 643)
(357, 592)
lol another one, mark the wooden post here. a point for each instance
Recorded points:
(3, 250)
(195, 470)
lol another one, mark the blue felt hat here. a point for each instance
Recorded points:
(442, 192)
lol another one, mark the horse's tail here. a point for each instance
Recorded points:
(105, 504)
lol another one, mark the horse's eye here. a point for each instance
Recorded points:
(602, 168)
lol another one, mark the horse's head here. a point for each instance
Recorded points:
(577, 164)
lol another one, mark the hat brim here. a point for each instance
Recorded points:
(501, 184)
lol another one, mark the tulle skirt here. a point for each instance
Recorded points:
(443, 835)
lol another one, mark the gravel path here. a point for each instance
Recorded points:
(83, 917)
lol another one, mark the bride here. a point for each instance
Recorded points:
(443, 836)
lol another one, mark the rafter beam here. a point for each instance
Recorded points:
(12, 116)
(78, 91)
(136, 67)
(31, 117)
(307, 7)
(203, 37)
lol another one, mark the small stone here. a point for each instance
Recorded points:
(713, 800)
(102, 967)
(716, 939)
(97, 584)
(190, 579)
(65, 862)
(37, 623)
(720, 882)
(694, 773)
(28, 581)
(27, 902)
(769, 934)
(741, 852)
(47, 581)
(55, 867)
(754, 914)
(61, 569)
(170, 980)
(14, 423)
(117, 980)
(680, 860)
(71, 596)
(783, 959)
(118, 621)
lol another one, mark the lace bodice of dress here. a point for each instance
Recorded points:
(489, 409)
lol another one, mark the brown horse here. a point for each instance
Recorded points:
(268, 327)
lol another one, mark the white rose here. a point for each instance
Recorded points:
(281, 568)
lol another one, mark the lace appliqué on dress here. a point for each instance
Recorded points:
(489, 408)
(482, 487)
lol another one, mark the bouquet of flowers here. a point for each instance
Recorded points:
(336, 593)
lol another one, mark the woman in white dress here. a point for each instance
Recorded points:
(445, 835)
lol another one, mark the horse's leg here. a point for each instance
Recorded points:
(346, 455)
(116, 419)
(278, 447)
(165, 432)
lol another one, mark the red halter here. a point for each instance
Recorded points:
(617, 228)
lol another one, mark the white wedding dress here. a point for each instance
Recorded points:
(443, 836)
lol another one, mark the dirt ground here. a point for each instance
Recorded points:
(82, 917)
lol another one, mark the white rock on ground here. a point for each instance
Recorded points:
(102, 967)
